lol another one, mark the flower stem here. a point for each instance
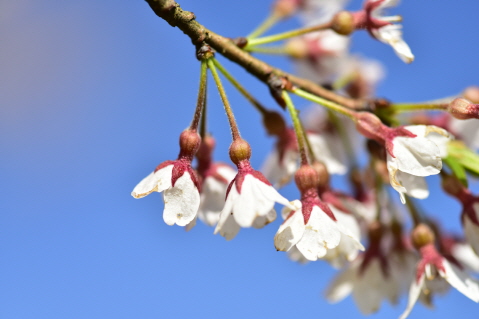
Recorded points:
(270, 21)
(413, 211)
(279, 50)
(240, 88)
(411, 107)
(312, 156)
(287, 35)
(297, 127)
(328, 104)
(201, 101)
(229, 112)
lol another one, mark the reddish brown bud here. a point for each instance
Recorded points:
(451, 185)
(306, 178)
(240, 151)
(343, 23)
(323, 174)
(472, 94)
(370, 126)
(189, 142)
(462, 109)
(421, 236)
(274, 123)
(206, 148)
(375, 231)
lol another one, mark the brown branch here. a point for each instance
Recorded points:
(171, 12)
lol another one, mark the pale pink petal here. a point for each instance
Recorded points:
(414, 292)
(181, 201)
(460, 280)
(290, 232)
(156, 181)
(321, 233)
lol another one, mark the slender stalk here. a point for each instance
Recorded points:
(203, 123)
(297, 127)
(308, 144)
(267, 50)
(229, 112)
(328, 104)
(270, 21)
(416, 217)
(287, 35)
(240, 88)
(411, 107)
(200, 103)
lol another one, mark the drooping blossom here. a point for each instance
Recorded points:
(381, 27)
(311, 225)
(434, 266)
(250, 198)
(178, 182)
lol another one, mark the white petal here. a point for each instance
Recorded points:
(226, 213)
(295, 255)
(414, 292)
(471, 230)
(290, 232)
(212, 200)
(392, 35)
(229, 228)
(157, 181)
(181, 201)
(369, 287)
(280, 173)
(460, 280)
(415, 186)
(261, 221)
(342, 285)
(466, 256)
(321, 233)
(466, 130)
(417, 156)
(327, 148)
(296, 204)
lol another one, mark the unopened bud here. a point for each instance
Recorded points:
(189, 142)
(206, 148)
(421, 236)
(370, 126)
(462, 109)
(451, 185)
(323, 174)
(240, 151)
(297, 48)
(285, 8)
(343, 23)
(306, 178)
(472, 94)
(274, 123)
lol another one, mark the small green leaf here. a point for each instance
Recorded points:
(457, 169)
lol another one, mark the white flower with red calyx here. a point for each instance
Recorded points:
(381, 27)
(250, 197)
(178, 182)
(368, 278)
(310, 225)
(215, 180)
(459, 252)
(413, 152)
(347, 250)
(434, 265)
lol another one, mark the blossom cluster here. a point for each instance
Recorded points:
(361, 230)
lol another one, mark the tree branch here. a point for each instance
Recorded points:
(171, 12)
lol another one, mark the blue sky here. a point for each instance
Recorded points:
(93, 96)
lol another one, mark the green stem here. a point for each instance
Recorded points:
(240, 88)
(411, 107)
(297, 127)
(229, 112)
(267, 50)
(328, 104)
(200, 103)
(312, 156)
(413, 211)
(270, 21)
(286, 35)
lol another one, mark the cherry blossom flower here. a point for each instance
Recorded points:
(432, 266)
(250, 197)
(415, 151)
(381, 27)
(311, 226)
(178, 182)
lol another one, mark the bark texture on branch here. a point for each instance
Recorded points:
(172, 13)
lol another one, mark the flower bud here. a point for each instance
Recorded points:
(462, 109)
(451, 185)
(370, 126)
(297, 48)
(239, 151)
(306, 178)
(274, 123)
(285, 8)
(421, 236)
(189, 143)
(206, 148)
(343, 23)
(323, 174)
(472, 94)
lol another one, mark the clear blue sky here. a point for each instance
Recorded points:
(93, 95)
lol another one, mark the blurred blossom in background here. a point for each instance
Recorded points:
(94, 94)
